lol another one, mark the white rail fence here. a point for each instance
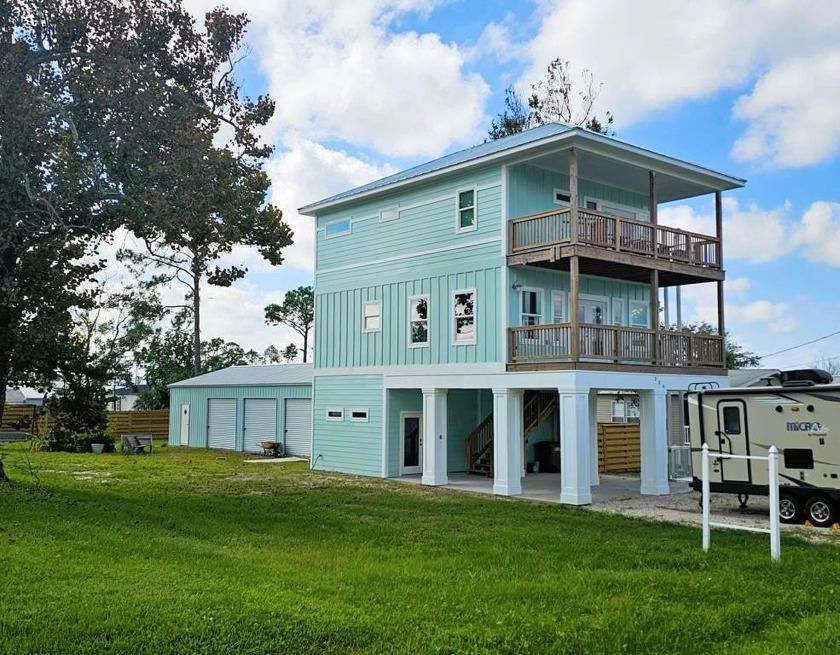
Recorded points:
(774, 531)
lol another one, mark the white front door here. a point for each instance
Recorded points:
(185, 425)
(411, 443)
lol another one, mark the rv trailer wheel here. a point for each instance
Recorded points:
(820, 511)
(790, 508)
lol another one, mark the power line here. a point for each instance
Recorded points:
(807, 343)
(816, 361)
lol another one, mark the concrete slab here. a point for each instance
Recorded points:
(274, 460)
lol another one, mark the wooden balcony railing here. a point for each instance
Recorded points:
(548, 229)
(616, 344)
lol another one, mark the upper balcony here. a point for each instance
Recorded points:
(614, 246)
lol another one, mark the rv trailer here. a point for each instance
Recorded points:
(800, 416)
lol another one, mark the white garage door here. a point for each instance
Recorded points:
(221, 423)
(260, 423)
(298, 426)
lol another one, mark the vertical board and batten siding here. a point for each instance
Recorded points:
(197, 398)
(298, 426)
(341, 342)
(348, 446)
(221, 423)
(259, 423)
(426, 221)
(549, 280)
(531, 191)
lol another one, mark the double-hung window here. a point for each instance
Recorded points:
(467, 215)
(372, 316)
(530, 307)
(464, 316)
(418, 321)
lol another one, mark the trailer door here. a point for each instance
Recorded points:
(734, 439)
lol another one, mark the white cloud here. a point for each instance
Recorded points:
(308, 172)
(818, 236)
(341, 70)
(752, 235)
(651, 56)
(776, 318)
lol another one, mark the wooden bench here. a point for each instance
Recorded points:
(134, 444)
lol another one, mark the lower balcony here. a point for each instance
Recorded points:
(609, 347)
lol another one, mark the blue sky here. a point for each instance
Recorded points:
(751, 88)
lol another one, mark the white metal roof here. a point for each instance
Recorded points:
(253, 376)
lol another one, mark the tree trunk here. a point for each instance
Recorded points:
(196, 320)
(305, 341)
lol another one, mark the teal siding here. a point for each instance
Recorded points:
(427, 220)
(546, 431)
(197, 397)
(531, 191)
(340, 341)
(465, 409)
(348, 446)
(399, 400)
(549, 280)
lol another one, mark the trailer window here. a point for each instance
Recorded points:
(732, 420)
(799, 458)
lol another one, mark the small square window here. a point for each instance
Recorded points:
(359, 415)
(335, 414)
(562, 197)
(372, 316)
(466, 210)
(338, 228)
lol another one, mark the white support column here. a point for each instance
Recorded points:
(654, 442)
(434, 437)
(594, 477)
(575, 449)
(507, 442)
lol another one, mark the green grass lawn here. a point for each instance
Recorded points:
(193, 551)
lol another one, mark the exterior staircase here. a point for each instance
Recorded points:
(537, 407)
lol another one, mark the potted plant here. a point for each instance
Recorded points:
(101, 442)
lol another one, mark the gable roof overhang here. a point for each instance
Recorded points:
(601, 158)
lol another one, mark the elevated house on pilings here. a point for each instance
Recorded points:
(472, 307)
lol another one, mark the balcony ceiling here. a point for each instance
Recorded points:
(671, 183)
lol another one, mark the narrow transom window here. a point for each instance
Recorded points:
(335, 414)
(418, 320)
(531, 307)
(466, 210)
(359, 415)
(389, 214)
(464, 315)
(562, 197)
(338, 228)
(372, 316)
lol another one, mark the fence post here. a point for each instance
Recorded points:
(706, 501)
(773, 474)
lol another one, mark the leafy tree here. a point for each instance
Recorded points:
(290, 353)
(736, 356)
(297, 311)
(553, 99)
(94, 102)
(830, 365)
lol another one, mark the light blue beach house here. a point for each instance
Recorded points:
(476, 304)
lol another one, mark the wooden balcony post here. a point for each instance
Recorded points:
(654, 314)
(719, 226)
(653, 214)
(574, 300)
(573, 195)
(721, 326)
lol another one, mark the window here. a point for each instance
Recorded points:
(618, 311)
(338, 228)
(558, 306)
(389, 214)
(732, 420)
(466, 211)
(372, 316)
(562, 197)
(359, 415)
(639, 313)
(335, 414)
(625, 410)
(464, 315)
(530, 307)
(418, 321)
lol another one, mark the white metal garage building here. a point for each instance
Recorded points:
(238, 407)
